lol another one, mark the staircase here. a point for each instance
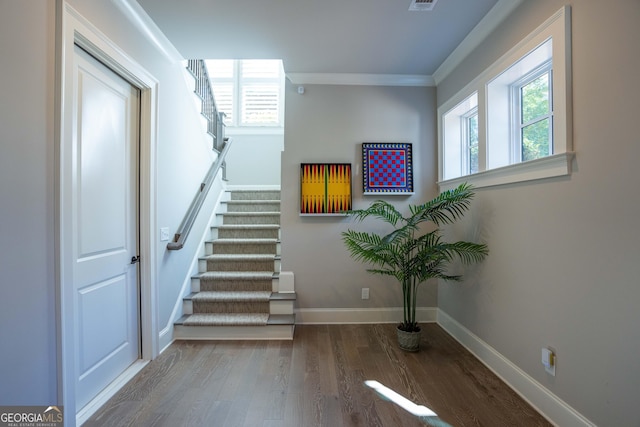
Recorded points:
(237, 294)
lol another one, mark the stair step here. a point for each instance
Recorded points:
(251, 240)
(213, 302)
(244, 296)
(244, 262)
(235, 281)
(239, 231)
(249, 218)
(243, 246)
(252, 205)
(239, 296)
(236, 275)
(235, 295)
(255, 195)
(226, 319)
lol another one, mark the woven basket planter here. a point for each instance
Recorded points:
(408, 341)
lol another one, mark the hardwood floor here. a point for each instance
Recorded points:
(315, 380)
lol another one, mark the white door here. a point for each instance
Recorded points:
(104, 234)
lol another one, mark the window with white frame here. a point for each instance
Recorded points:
(470, 136)
(460, 128)
(534, 116)
(521, 129)
(249, 92)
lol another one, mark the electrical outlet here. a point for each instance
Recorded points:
(365, 293)
(549, 360)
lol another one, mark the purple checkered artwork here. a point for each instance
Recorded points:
(387, 168)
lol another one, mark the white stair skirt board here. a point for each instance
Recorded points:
(311, 316)
(548, 404)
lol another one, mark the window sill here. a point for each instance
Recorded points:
(546, 167)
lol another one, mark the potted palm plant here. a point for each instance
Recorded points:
(413, 251)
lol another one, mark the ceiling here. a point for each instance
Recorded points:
(380, 37)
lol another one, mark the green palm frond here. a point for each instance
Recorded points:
(408, 256)
(378, 209)
(467, 252)
(400, 234)
(446, 208)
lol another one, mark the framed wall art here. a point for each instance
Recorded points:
(325, 188)
(387, 168)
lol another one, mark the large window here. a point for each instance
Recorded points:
(249, 92)
(513, 122)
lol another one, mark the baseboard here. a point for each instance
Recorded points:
(548, 404)
(312, 316)
(165, 338)
(96, 403)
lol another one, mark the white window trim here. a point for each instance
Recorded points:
(551, 166)
(558, 164)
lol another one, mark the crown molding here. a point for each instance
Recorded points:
(141, 20)
(490, 22)
(356, 79)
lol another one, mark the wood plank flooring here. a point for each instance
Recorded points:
(315, 380)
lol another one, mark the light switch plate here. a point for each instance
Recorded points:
(164, 234)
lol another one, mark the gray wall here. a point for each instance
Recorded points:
(563, 269)
(28, 365)
(328, 124)
(27, 269)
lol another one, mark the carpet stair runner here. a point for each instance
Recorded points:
(236, 293)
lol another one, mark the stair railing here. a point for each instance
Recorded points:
(203, 90)
(221, 144)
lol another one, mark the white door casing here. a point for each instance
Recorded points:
(104, 233)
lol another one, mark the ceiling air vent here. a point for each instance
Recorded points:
(422, 5)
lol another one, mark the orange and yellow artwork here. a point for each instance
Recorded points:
(325, 188)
